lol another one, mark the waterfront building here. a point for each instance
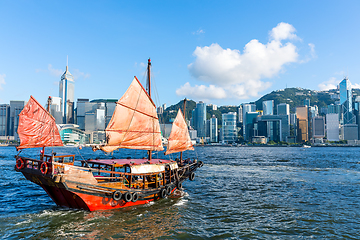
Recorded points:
(246, 108)
(15, 108)
(199, 119)
(55, 109)
(229, 133)
(81, 106)
(66, 93)
(240, 114)
(283, 109)
(346, 101)
(70, 133)
(268, 107)
(274, 127)
(318, 124)
(213, 129)
(4, 119)
(250, 126)
(332, 126)
(349, 132)
(302, 124)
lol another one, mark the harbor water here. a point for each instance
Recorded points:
(239, 193)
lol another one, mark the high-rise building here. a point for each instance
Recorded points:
(332, 126)
(55, 109)
(199, 119)
(213, 129)
(246, 108)
(4, 119)
(229, 133)
(302, 121)
(318, 127)
(240, 114)
(274, 127)
(307, 102)
(283, 109)
(346, 101)
(15, 108)
(268, 107)
(66, 92)
(249, 126)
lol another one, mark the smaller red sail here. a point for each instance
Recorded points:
(37, 128)
(179, 139)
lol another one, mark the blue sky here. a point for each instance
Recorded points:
(221, 52)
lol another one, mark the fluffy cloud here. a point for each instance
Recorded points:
(239, 74)
(52, 71)
(201, 92)
(78, 74)
(2, 80)
(58, 72)
(329, 84)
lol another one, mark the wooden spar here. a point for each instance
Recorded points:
(181, 153)
(48, 109)
(149, 92)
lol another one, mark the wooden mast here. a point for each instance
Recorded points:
(48, 109)
(181, 153)
(149, 92)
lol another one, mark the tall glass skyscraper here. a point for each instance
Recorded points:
(229, 134)
(66, 92)
(199, 119)
(346, 101)
(268, 107)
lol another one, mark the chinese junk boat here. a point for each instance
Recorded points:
(98, 184)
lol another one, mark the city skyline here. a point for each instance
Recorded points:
(199, 57)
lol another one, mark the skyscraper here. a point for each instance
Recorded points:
(346, 101)
(4, 119)
(199, 119)
(283, 109)
(15, 108)
(246, 108)
(302, 120)
(268, 107)
(229, 133)
(66, 92)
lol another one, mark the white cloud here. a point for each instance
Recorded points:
(329, 84)
(2, 80)
(58, 72)
(283, 31)
(201, 92)
(198, 32)
(312, 50)
(239, 74)
(52, 71)
(355, 85)
(78, 74)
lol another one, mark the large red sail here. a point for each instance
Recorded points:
(179, 139)
(37, 128)
(134, 124)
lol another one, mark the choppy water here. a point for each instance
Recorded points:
(247, 193)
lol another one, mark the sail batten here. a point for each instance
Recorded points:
(134, 124)
(179, 139)
(37, 128)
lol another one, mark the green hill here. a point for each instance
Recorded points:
(293, 96)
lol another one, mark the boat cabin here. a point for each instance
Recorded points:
(133, 173)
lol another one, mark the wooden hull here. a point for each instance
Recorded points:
(78, 193)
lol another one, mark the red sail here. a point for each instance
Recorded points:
(179, 139)
(37, 128)
(134, 124)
